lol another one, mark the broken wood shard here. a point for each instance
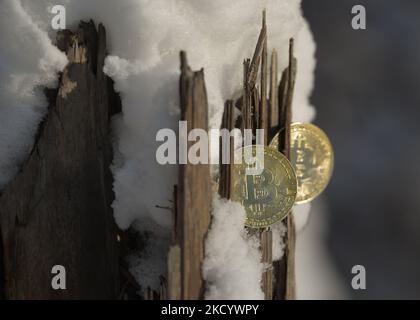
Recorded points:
(284, 270)
(263, 114)
(252, 74)
(226, 169)
(273, 105)
(194, 193)
(266, 239)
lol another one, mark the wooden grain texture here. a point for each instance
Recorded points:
(273, 121)
(291, 229)
(57, 211)
(174, 273)
(227, 148)
(246, 99)
(284, 270)
(252, 74)
(194, 188)
(266, 238)
(263, 114)
(290, 254)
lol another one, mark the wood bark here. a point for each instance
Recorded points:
(57, 211)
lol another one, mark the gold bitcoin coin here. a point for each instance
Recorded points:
(312, 158)
(267, 189)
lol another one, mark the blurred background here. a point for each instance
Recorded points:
(367, 97)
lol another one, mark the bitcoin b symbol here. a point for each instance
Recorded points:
(303, 157)
(259, 191)
(269, 195)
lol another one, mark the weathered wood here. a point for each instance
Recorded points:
(231, 126)
(223, 181)
(255, 110)
(286, 104)
(282, 95)
(194, 188)
(267, 258)
(290, 254)
(273, 105)
(252, 74)
(266, 236)
(246, 100)
(174, 273)
(57, 211)
(291, 230)
(263, 114)
(285, 268)
(226, 169)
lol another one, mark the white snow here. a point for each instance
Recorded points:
(232, 266)
(28, 62)
(144, 40)
(278, 231)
